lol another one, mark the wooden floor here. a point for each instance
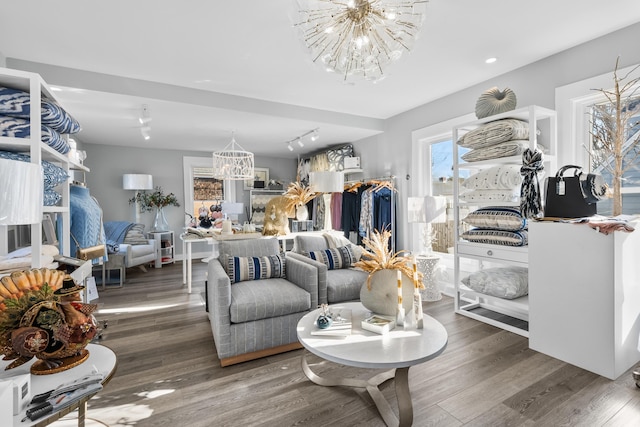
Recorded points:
(168, 374)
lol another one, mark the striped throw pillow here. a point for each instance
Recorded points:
(240, 269)
(334, 258)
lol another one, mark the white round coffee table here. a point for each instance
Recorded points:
(395, 351)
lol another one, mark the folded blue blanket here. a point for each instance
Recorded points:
(116, 231)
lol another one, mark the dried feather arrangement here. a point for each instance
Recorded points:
(379, 257)
(298, 195)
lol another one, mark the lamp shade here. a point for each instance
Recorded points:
(21, 192)
(136, 181)
(327, 182)
(230, 208)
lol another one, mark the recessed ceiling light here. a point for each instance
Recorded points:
(491, 60)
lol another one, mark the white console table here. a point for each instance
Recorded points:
(187, 255)
(584, 296)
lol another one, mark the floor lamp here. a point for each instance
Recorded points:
(137, 182)
(428, 210)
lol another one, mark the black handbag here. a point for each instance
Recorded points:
(573, 196)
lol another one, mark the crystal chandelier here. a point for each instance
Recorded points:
(359, 38)
(233, 162)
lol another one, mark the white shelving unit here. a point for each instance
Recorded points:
(165, 247)
(471, 256)
(38, 151)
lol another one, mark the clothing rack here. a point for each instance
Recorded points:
(390, 179)
(380, 178)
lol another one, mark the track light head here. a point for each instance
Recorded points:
(315, 135)
(300, 143)
(290, 147)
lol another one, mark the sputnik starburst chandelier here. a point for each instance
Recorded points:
(359, 38)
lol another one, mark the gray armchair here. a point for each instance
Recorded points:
(257, 318)
(334, 286)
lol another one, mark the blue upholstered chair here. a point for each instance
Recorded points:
(257, 317)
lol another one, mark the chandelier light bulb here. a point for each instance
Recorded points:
(360, 38)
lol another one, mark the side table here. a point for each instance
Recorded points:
(101, 358)
(115, 262)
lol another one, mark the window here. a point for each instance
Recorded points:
(208, 192)
(433, 175)
(575, 104)
(201, 190)
(601, 161)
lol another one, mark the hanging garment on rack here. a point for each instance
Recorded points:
(326, 225)
(382, 206)
(319, 212)
(366, 225)
(384, 213)
(336, 211)
(86, 220)
(350, 218)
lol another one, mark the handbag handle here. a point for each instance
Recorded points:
(562, 170)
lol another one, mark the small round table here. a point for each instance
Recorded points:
(101, 358)
(395, 351)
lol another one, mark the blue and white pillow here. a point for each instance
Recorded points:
(240, 269)
(497, 218)
(333, 258)
(53, 175)
(51, 197)
(497, 237)
(21, 128)
(17, 103)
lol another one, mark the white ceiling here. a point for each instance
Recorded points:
(207, 68)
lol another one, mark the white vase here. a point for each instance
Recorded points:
(383, 296)
(302, 214)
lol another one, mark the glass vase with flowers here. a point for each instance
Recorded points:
(156, 200)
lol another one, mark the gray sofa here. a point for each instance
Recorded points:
(334, 286)
(256, 318)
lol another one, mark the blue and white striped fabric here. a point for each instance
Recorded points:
(17, 103)
(21, 128)
(240, 269)
(497, 218)
(497, 237)
(333, 258)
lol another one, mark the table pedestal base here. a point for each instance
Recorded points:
(401, 376)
